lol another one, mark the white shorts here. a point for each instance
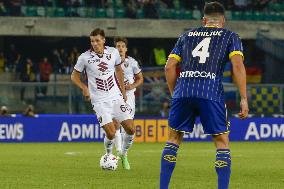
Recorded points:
(131, 102)
(114, 109)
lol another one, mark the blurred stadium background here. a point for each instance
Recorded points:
(40, 41)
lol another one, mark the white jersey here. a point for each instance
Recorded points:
(130, 67)
(100, 70)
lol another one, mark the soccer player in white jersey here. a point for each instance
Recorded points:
(133, 78)
(102, 65)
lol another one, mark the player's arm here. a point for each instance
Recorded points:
(171, 65)
(76, 79)
(170, 72)
(120, 78)
(239, 76)
(138, 80)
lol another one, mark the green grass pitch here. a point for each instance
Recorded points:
(76, 165)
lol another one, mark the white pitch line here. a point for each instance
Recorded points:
(72, 153)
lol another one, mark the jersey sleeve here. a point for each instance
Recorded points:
(177, 50)
(136, 67)
(117, 57)
(235, 46)
(80, 64)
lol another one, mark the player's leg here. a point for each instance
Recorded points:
(122, 114)
(181, 119)
(223, 160)
(169, 157)
(109, 129)
(103, 112)
(126, 142)
(118, 138)
(128, 139)
(213, 116)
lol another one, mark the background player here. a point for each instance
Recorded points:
(102, 64)
(202, 54)
(133, 78)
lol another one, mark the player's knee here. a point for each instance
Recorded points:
(175, 137)
(221, 141)
(110, 135)
(131, 131)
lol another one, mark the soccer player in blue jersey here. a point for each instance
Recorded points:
(197, 91)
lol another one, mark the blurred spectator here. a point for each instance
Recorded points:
(190, 4)
(29, 111)
(15, 7)
(76, 3)
(150, 9)
(18, 66)
(35, 2)
(137, 56)
(27, 75)
(2, 62)
(63, 3)
(64, 58)
(169, 4)
(16, 62)
(240, 4)
(3, 10)
(131, 9)
(260, 4)
(96, 4)
(164, 112)
(11, 57)
(57, 61)
(45, 70)
(72, 59)
(4, 112)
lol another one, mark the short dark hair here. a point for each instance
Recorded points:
(98, 31)
(120, 39)
(214, 8)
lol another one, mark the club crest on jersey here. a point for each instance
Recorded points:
(102, 66)
(126, 64)
(108, 56)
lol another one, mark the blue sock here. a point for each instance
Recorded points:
(223, 167)
(168, 163)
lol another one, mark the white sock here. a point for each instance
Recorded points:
(117, 141)
(127, 143)
(122, 133)
(108, 145)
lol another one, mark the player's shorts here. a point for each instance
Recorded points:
(213, 115)
(131, 102)
(114, 109)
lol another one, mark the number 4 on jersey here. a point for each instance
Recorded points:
(201, 50)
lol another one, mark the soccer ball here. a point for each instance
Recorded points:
(108, 162)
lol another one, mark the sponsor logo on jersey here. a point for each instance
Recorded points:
(202, 74)
(91, 61)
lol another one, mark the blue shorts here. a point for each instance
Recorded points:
(213, 115)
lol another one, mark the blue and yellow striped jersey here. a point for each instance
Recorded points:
(202, 54)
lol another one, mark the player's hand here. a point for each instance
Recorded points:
(86, 93)
(244, 109)
(129, 87)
